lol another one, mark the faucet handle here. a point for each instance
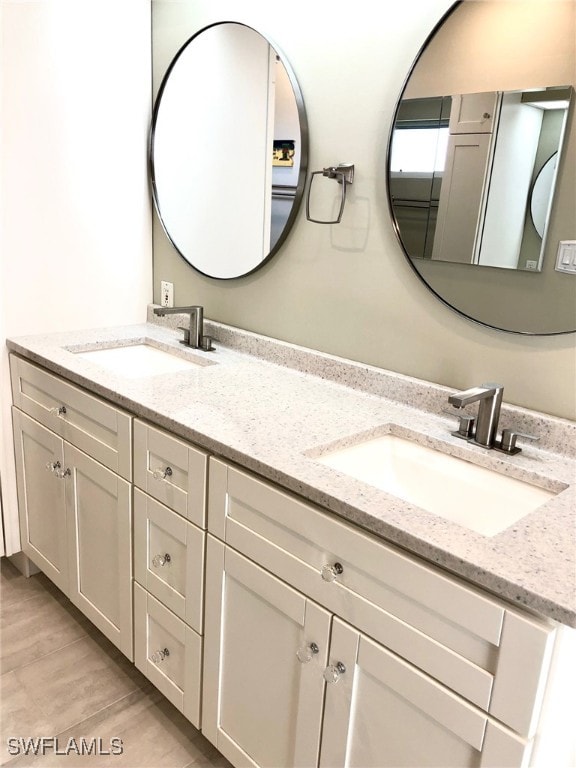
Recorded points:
(206, 344)
(186, 339)
(465, 424)
(508, 442)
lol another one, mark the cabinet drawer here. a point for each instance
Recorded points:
(169, 653)
(169, 558)
(491, 655)
(91, 424)
(171, 471)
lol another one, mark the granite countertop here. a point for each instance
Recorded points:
(272, 407)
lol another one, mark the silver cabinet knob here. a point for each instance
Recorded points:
(160, 560)
(305, 653)
(159, 656)
(334, 672)
(331, 572)
(162, 474)
(56, 468)
(58, 410)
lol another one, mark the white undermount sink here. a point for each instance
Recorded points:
(477, 498)
(142, 359)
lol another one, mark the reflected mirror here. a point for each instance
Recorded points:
(481, 160)
(228, 150)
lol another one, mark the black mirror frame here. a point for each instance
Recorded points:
(304, 138)
(446, 303)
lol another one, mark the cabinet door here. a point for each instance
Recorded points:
(462, 197)
(100, 546)
(474, 112)
(41, 500)
(262, 705)
(382, 712)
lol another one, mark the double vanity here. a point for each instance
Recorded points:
(241, 524)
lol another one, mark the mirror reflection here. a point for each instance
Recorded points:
(456, 161)
(228, 150)
(482, 159)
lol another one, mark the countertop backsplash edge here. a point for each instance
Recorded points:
(554, 434)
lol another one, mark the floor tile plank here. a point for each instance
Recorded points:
(64, 680)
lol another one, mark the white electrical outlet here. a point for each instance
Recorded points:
(166, 294)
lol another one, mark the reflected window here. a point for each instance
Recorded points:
(419, 150)
(417, 159)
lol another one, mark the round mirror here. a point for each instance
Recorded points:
(228, 150)
(487, 103)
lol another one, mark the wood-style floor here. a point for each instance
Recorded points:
(60, 677)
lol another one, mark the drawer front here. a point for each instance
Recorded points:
(169, 653)
(169, 558)
(171, 471)
(91, 424)
(462, 638)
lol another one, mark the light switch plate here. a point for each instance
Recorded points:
(566, 257)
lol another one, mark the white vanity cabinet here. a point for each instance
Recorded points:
(288, 635)
(73, 463)
(413, 655)
(171, 478)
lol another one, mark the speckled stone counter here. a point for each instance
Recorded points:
(272, 407)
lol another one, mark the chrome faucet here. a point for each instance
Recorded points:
(194, 334)
(489, 399)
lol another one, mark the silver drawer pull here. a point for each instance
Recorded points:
(331, 572)
(305, 653)
(58, 410)
(159, 656)
(159, 560)
(162, 474)
(52, 466)
(334, 672)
